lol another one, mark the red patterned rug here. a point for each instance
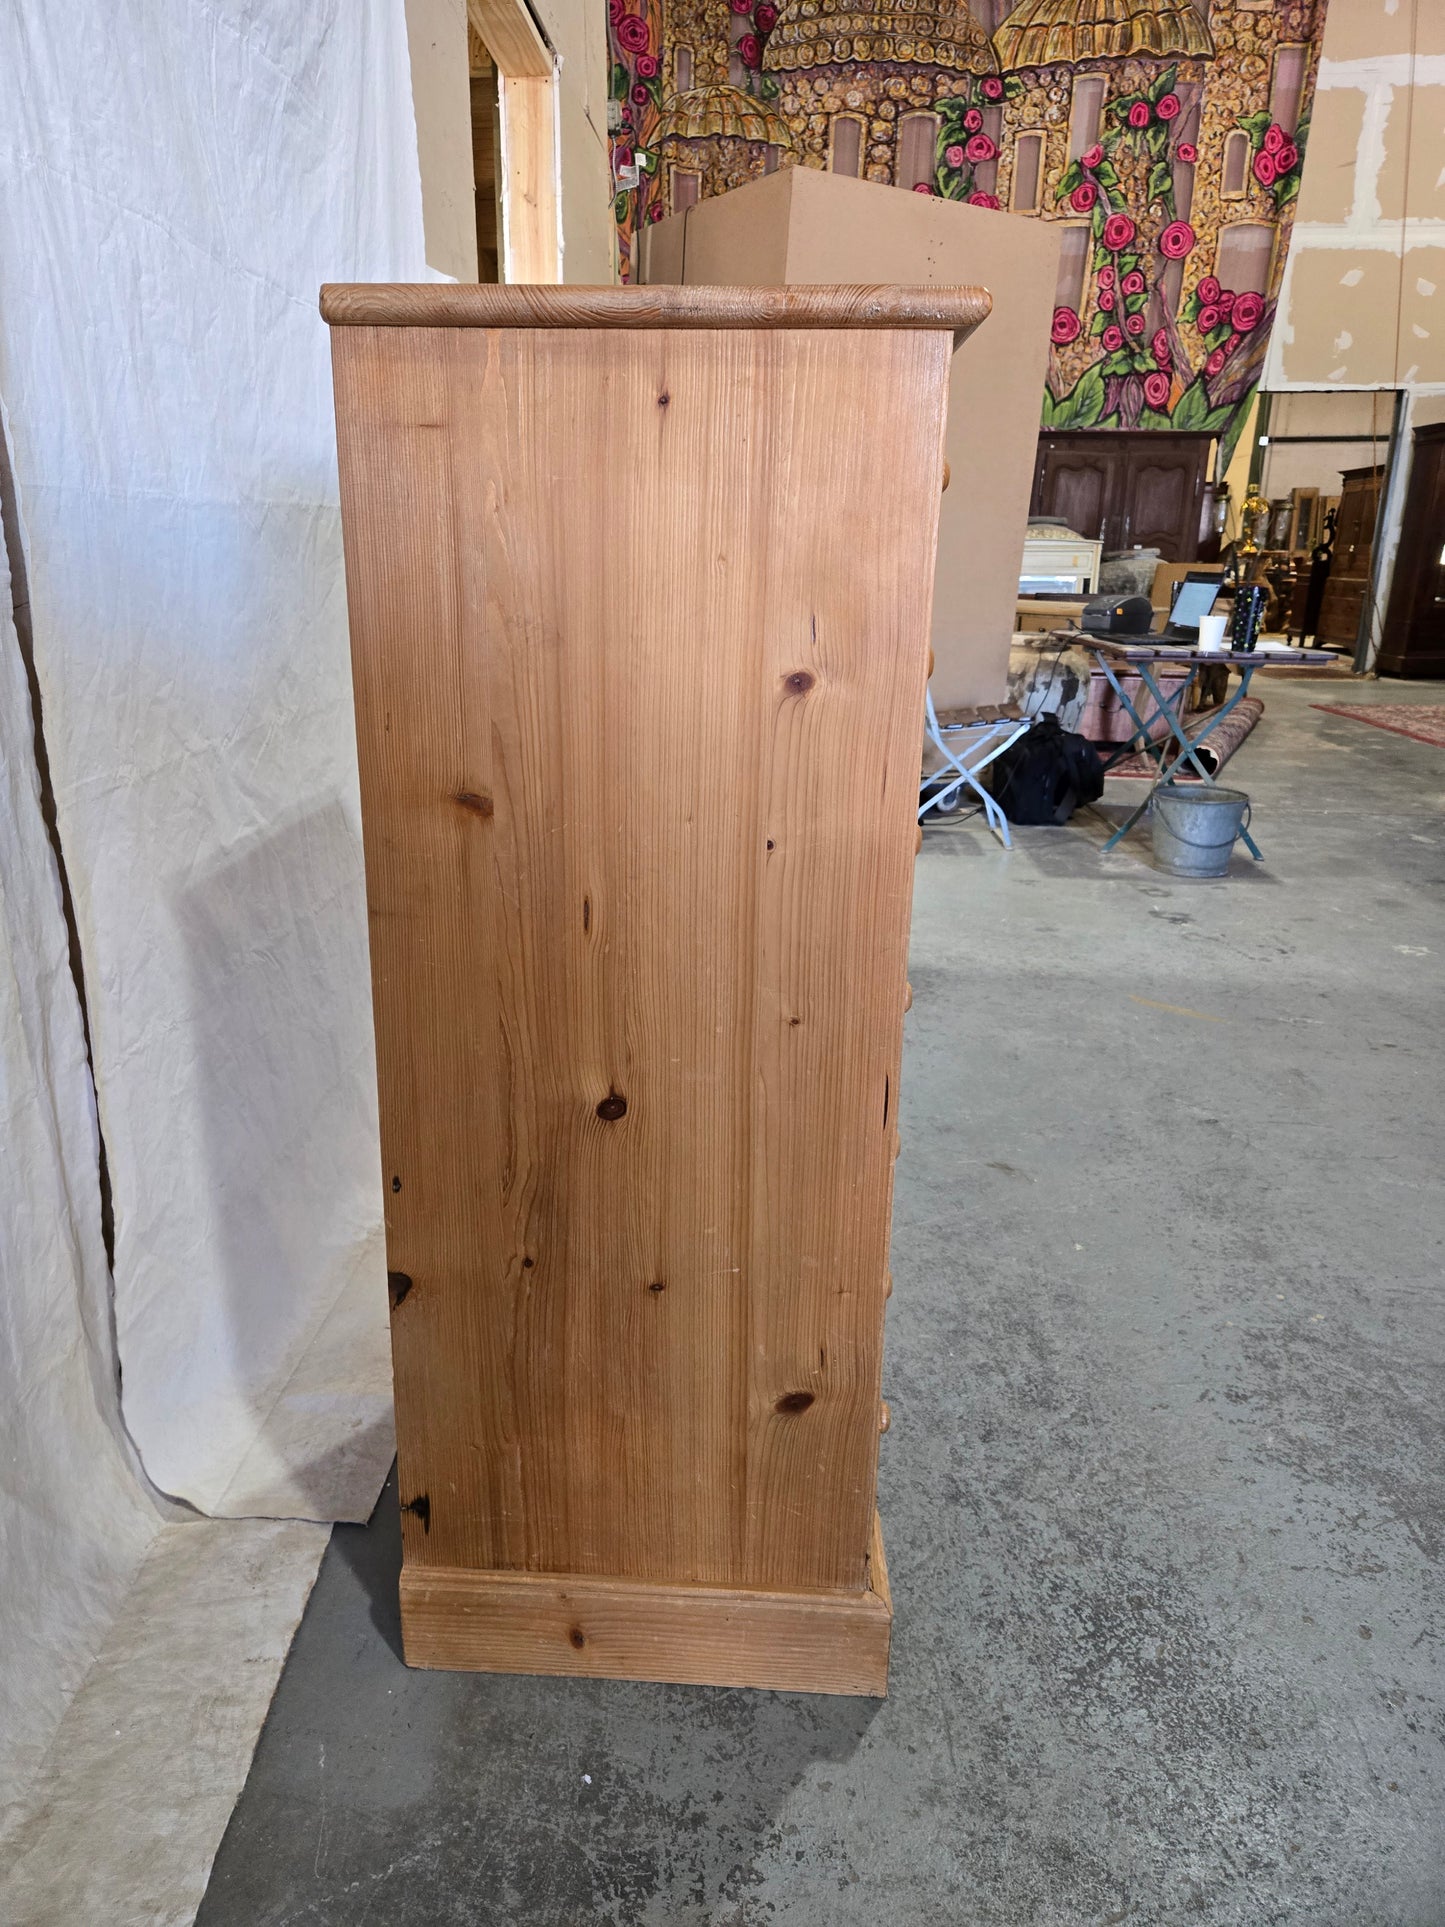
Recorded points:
(1425, 722)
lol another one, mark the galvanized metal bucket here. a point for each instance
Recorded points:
(1195, 828)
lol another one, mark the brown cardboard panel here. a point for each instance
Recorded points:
(845, 229)
(1412, 178)
(737, 240)
(1327, 187)
(808, 226)
(1342, 313)
(1422, 316)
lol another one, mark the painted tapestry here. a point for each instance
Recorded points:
(1165, 136)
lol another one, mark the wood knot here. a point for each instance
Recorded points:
(771, 844)
(478, 804)
(420, 1507)
(527, 1263)
(613, 1106)
(799, 682)
(657, 1285)
(791, 1403)
(663, 399)
(578, 1637)
(397, 1285)
(396, 1184)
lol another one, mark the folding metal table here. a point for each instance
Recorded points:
(1140, 659)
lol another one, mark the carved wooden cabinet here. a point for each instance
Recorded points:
(639, 586)
(1141, 489)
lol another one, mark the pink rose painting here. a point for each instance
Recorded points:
(1156, 389)
(639, 95)
(1265, 170)
(1215, 362)
(1119, 231)
(1207, 320)
(972, 121)
(981, 148)
(1066, 327)
(1139, 115)
(1187, 152)
(750, 51)
(983, 200)
(992, 87)
(953, 155)
(765, 19)
(1106, 299)
(1133, 282)
(1208, 290)
(1112, 338)
(1163, 354)
(1287, 158)
(632, 34)
(648, 66)
(1106, 276)
(925, 187)
(615, 11)
(1248, 311)
(1091, 157)
(1167, 106)
(1083, 197)
(1134, 323)
(1176, 241)
(1225, 300)
(1274, 138)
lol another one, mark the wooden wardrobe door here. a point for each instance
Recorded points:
(1076, 478)
(1350, 569)
(1414, 640)
(1163, 495)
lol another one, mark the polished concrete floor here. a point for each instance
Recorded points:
(1164, 1494)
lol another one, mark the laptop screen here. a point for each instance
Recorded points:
(1194, 601)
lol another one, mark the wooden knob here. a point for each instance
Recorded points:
(908, 996)
(947, 476)
(885, 1417)
(918, 840)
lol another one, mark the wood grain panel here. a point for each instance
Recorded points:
(639, 631)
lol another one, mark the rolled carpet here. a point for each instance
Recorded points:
(1214, 752)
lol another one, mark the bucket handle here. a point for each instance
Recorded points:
(1195, 843)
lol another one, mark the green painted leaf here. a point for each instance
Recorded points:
(1098, 324)
(1192, 408)
(1072, 177)
(1012, 87)
(1087, 399)
(1153, 418)
(1256, 126)
(1164, 84)
(1161, 182)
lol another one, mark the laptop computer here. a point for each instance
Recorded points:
(1194, 598)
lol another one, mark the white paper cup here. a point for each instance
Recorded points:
(1211, 632)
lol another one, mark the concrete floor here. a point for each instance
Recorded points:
(1163, 1493)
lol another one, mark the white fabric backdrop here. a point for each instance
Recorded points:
(74, 1525)
(178, 179)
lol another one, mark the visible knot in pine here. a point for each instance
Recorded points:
(577, 1637)
(398, 1284)
(791, 1403)
(799, 682)
(613, 1106)
(657, 1285)
(663, 399)
(478, 804)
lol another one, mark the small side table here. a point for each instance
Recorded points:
(1140, 659)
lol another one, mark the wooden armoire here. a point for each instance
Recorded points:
(1413, 643)
(639, 586)
(1351, 558)
(1143, 489)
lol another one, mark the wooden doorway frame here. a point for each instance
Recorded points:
(527, 101)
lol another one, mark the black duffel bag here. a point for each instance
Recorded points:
(1046, 774)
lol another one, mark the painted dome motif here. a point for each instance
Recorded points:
(837, 33)
(704, 112)
(1039, 32)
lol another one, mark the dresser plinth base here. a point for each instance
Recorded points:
(510, 1622)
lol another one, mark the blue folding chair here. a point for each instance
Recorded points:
(966, 744)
